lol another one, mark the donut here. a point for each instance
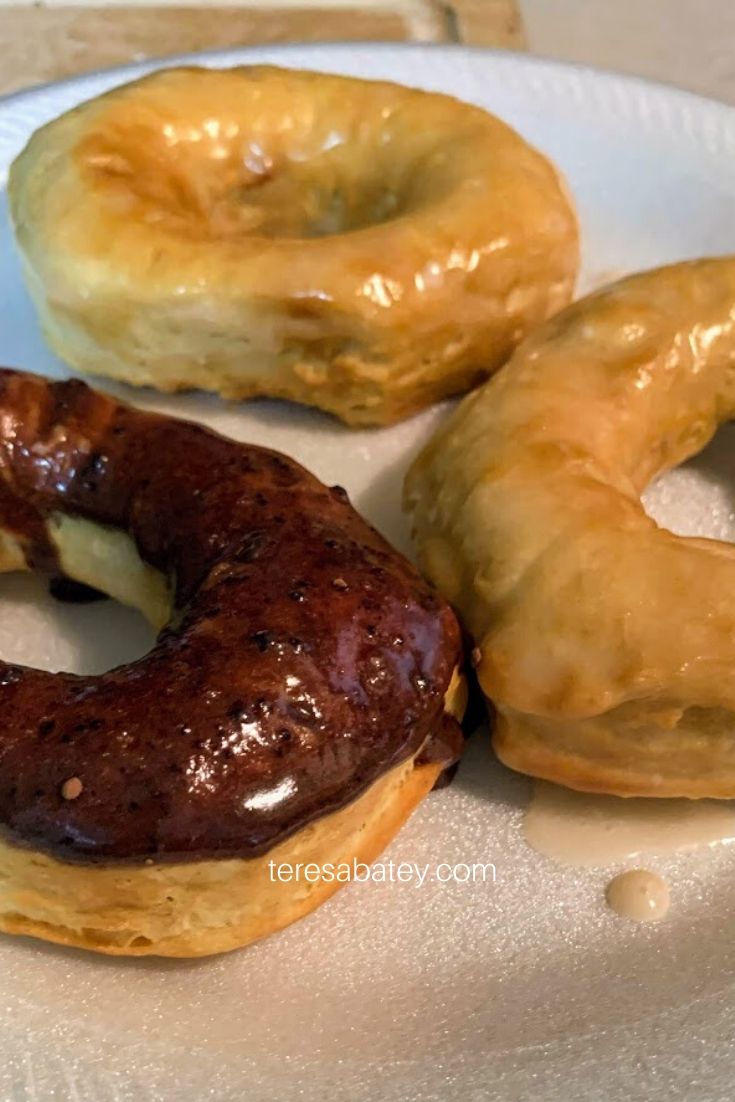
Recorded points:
(295, 708)
(353, 245)
(605, 642)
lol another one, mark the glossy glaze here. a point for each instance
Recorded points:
(306, 658)
(606, 643)
(355, 245)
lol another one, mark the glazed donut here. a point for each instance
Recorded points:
(295, 707)
(354, 245)
(606, 643)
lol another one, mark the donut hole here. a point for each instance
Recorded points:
(270, 170)
(697, 498)
(85, 638)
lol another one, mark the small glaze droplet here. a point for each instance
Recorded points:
(639, 895)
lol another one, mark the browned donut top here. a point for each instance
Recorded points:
(307, 656)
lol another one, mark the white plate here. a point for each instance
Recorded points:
(526, 988)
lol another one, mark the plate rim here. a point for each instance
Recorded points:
(235, 53)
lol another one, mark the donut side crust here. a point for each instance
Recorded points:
(198, 908)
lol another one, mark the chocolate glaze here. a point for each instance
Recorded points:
(307, 656)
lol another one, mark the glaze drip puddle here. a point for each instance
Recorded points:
(582, 829)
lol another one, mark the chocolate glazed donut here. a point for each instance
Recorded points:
(303, 665)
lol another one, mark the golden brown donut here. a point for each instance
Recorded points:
(354, 245)
(606, 643)
(296, 705)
